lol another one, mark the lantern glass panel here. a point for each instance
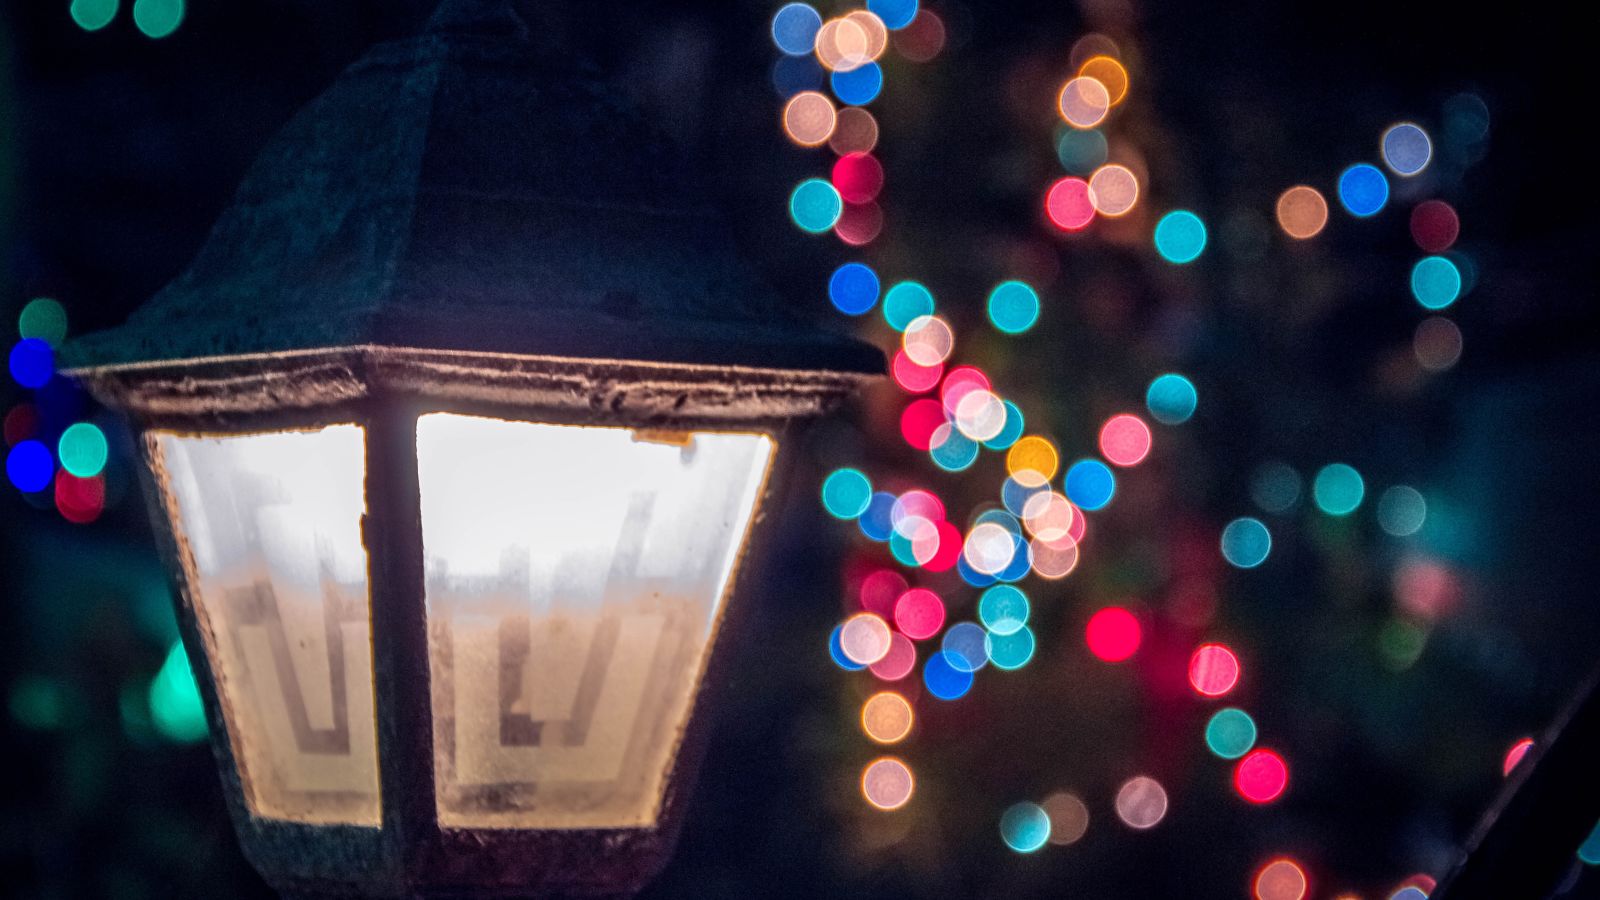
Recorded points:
(270, 531)
(575, 580)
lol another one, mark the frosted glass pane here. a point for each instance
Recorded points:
(575, 578)
(273, 525)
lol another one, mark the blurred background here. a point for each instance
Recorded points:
(1392, 654)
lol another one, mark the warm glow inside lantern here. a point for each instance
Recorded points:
(458, 430)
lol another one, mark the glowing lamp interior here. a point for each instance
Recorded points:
(270, 526)
(575, 580)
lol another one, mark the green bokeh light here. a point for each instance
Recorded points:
(175, 707)
(93, 15)
(44, 319)
(157, 18)
(82, 450)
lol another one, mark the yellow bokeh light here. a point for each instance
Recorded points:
(886, 717)
(1302, 212)
(1108, 72)
(809, 119)
(1032, 461)
(887, 783)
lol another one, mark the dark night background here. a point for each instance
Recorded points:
(117, 152)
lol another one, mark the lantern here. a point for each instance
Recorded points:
(457, 430)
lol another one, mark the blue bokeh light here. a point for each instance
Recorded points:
(858, 86)
(1090, 484)
(795, 27)
(1180, 237)
(1171, 399)
(1246, 542)
(853, 288)
(1363, 191)
(944, 680)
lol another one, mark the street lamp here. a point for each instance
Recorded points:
(456, 430)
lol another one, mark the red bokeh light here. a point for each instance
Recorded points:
(912, 378)
(22, 422)
(859, 224)
(1068, 204)
(80, 500)
(1515, 755)
(949, 551)
(858, 177)
(1113, 634)
(1213, 670)
(919, 421)
(919, 613)
(1435, 226)
(1125, 440)
(1261, 776)
(880, 590)
(899, 661)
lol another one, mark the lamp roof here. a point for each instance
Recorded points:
(468, 190)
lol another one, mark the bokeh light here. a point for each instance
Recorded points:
(1011, 431)
(1110, 73)
(30, 466)
(905, 302)
(886, 717)
(895, 14)
(1302, 212)
(45, 319)
(93, 15)
(1069, 818)
(952, 450)
(1113, 634)
(32, 362)
(1025, 827)
(887, 783)
(1246, 542)
(1402, 510)
(1589, 851)
(864, 638)
(1171, 399)
(1338, 489)
(854, 131)
(858, 177)
(1436, 343)
(1261, 776)
(815, 205)
(1363, 191)
(1435, 282)
(1013, 307)
(794, 74)
(795, 27)
(919, 613)
(1141, 802)
(853, 288)
(1230, 733)
(1406, 148)
(1280, 879)
(859, 223)
(1089, 484)
(1213, 670)
(965, 646)
(1069, 205)
(1003, 609)
(1434, 226)
(858, 86)
(82, 450)
(1032, 461)
(1180, 237)
(157, 18)
(943, 679)
(80, 500)
(1081, 151)
(912, 378)
(809, 119)
(176, 710)
(1083, 102)
(928, 341)
(21, 423)
(899, 662)
(1125, 440)
(875, 523)
(836, 652)
(1113, 190)
(1010, 651)
(1275, 487)
(1514, 755)
(845, 493)
(923, 39)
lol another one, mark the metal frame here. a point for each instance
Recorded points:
(385, 391)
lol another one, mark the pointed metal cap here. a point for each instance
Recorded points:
(465, 190)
